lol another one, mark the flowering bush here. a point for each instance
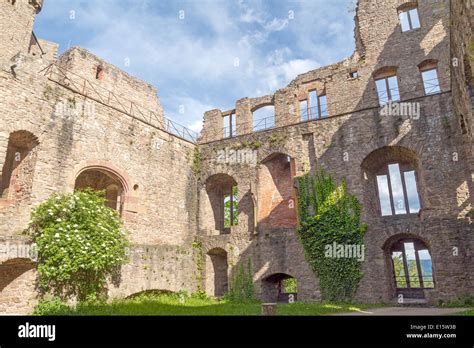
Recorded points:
(80, 242)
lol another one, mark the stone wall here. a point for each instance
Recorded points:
(82, 113)
(16, 24)
(75, 133)
(356, 128)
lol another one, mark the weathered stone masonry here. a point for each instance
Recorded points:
(167, 202)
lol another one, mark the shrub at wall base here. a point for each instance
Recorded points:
(80, 243)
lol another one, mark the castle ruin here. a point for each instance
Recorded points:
(394, 120)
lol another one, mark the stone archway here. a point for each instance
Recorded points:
(410, 266)
(18, 293)
(216, 272)
(219, 204)
(279, 287)
(276, 194)
(103, 180)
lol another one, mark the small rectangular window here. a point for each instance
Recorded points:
(411, 264)
(229, 126)
(387, 89)
(393, 88)
(397, 189)
(313, 105)
(412, 192)
(353, 74)
(430, 81)
(304, 110)
(415, 20)
(409, 19)
(323, 106)
(384, 195)
(226, 127)
(399, 269)
(230, 208)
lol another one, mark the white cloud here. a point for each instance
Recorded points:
(192, 61)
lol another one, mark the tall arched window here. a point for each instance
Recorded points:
(408, 15)
(386, 82)
(216, 272)
(222, 202)
(412, 268)
(101, 179)
(397, 189)
(392, 175)
(16, 178)
(276, 194)
(263, 117)
(429, 75)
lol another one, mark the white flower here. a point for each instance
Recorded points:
(75, 226)
(58, 220)
(57, 235)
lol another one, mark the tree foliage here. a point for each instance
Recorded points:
(80, 242)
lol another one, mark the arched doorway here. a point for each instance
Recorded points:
(279, 287)
(216, 272)
(220, 203)
(276, 194)
(16, 176)
(17, 286)
(411, 268)
(103, 180)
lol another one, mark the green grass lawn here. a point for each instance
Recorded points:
(467, 312)
(172, 305)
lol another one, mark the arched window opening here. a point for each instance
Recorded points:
(429, 75)
(263, 118)
(408, 15)
(393, 180)
(279, 287)
(412, 268)
(222, 194)
(398, 192)
(17, 286)
(314, 106)
(216, 272)
(276, 194)
(386, 82)
(106, 181)
(16, 178)
(99, 72)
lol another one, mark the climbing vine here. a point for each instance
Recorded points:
(199, 258)
(330, 216)
(241, 286)
(80, 243)
(197, 162)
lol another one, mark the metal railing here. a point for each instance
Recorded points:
(314, 113)
(263, 123)
(83, 86)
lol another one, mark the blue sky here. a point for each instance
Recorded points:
(205, 54)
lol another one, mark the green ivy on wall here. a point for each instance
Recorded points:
(241, 286)
(200, 263)
(329, 216)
